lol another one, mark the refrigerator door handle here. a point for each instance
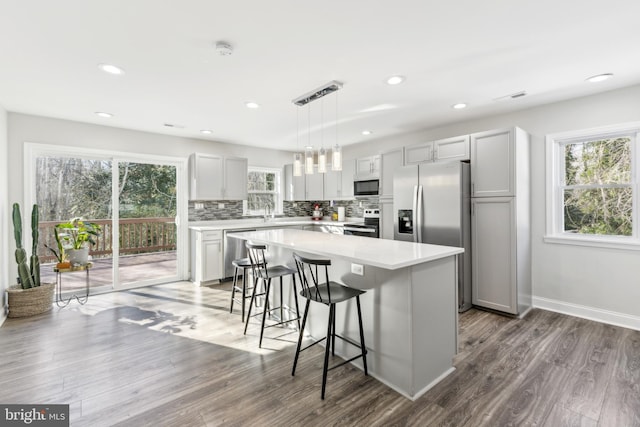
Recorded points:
(419, 216)
(416, 226)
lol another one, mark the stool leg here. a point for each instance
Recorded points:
(304, 321)
(233, 289)
(326, 350)
(264, 313)
(295, 293)
(333, 334)
(244, 289)
(362, 346)
(253, 297)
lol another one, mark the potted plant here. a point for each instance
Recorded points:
(75, 236)
(29, 296)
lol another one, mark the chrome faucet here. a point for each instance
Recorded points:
(267, 212)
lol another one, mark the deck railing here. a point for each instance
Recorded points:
(137, 235)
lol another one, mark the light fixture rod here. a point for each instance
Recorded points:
(318, 93)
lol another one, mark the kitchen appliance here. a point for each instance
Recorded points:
(370, 228)
(233, 249)
(317, 213)
(432, 205)
(369, 187)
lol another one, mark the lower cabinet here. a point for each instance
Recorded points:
(501, 272)
(206, 258)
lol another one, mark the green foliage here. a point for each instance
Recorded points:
(29, 275)
(77, 233)
(599, 199)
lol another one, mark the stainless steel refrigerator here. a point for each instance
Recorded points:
(431, 204)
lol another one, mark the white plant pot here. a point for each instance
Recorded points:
(78, 256)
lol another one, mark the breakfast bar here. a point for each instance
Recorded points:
(409, 309)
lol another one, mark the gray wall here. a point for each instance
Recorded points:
(5, 280)
(599, 279)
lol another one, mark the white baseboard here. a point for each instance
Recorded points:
(3, 315)
(591, 313)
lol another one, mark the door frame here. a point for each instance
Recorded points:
(33, 150)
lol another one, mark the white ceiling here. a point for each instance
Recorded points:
(450, 51)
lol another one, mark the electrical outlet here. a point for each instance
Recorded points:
(357, 269)
(199, 206)
(220, 205)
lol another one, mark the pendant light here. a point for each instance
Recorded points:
(336, 154)
(308, 153)
(322, 153)
(297, 156)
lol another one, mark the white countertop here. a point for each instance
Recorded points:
(259, 223)
(383, 253)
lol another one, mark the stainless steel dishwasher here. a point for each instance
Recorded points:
(233, 249)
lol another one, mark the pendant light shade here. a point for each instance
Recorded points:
(297, 164)
(336, 158)
(322, 160)
(308, 161)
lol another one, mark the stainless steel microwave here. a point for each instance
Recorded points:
(369, 187)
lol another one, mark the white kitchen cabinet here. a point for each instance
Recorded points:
(368, 167)
(501, 276)
(419, 153)
(495, 157)
(332, 184)
(390, 161)
(456, 148)
(348, 175)
(386, 219)
(206, 256)
(441, 150)
(314, 185)
(214, 177)
(303, 187)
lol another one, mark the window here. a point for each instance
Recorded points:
(264, 195)
(592, 188)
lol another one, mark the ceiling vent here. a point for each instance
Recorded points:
(326, 89)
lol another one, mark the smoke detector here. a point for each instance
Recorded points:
(224, 48)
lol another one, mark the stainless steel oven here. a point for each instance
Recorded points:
(370, 228)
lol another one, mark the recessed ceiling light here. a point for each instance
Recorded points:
(366, 132)
(459, 106)
(206, 131)
(251, 104)
(600, 78)
(103, 114)
(111, 69)
(395, 80)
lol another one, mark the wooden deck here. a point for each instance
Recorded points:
(133, 268)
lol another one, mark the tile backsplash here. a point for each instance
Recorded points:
(233, 208)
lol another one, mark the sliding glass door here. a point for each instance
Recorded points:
(134, 201)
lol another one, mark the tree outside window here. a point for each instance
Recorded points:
(263, 192)
(593, 187)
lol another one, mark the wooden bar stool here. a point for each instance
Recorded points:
(262, 272)
(327, 293)
(243, 264)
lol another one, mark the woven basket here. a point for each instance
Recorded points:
(32, 301)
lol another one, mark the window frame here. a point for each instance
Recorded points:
(278, 191)
(555, 170)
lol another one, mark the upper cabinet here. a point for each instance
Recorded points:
(332, 184)
(314, 186)
(495, 156)
(213, 177)
(368, 167)
(348, 174)
(455, 148)
(391, 161)
(303, 187)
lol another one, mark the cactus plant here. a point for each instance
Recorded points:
(28, 275)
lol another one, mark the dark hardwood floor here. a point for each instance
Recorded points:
(172, 355)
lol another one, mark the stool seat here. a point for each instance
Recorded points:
(241, 263)
(337, 291)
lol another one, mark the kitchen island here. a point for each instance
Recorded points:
(409, 309)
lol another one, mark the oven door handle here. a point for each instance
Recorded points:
(360, 230)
